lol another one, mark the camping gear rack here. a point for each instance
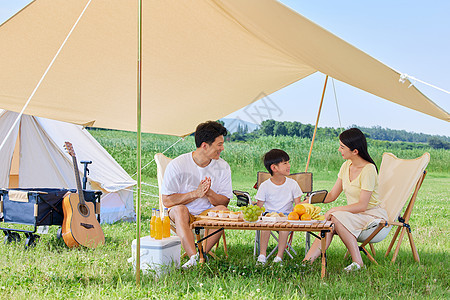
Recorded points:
(36, 207)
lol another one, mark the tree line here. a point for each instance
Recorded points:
(288, 128)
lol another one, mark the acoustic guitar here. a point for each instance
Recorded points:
(80, 226)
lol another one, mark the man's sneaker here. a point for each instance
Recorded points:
(352, 267)
(261, 260)
(192, 262)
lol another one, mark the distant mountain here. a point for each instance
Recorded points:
(233, 124)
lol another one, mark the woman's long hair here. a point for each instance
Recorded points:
(353, 138)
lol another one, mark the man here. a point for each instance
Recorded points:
(197, 182)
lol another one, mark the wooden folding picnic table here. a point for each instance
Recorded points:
(322, 227)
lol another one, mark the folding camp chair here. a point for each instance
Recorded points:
(161, 163)
(305, 181)
(397, 180)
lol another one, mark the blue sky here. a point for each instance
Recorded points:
(412, 37)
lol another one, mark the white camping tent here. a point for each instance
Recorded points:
(34, 156)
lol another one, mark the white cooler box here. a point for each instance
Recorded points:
(157, 255)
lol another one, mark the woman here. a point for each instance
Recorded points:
(358, 178)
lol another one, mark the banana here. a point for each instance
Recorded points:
(316, 211)
(313, 211)
(309, 208)
(308, 205)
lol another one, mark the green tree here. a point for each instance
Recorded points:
(292, 128)
(306, 131)
(267, 127)
(279, 129)
(437, 143)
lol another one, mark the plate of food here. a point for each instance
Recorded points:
(220, 215)
(306, 222)
(274, 217)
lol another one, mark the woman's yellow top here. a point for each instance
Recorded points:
(366, 180)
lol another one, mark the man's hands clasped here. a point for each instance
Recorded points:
(203, 188)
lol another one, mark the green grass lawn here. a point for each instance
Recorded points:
(52, 271)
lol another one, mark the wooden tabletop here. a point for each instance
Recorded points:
(321, 227)
(261, 225)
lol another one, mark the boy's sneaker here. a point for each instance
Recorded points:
(192, 262)
(261, 260)
(352, 267)
(277, 259)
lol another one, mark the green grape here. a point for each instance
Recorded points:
(251, 213)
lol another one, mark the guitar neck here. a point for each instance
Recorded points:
(77, 178)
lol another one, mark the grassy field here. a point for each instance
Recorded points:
(245, 158)
(52, 271)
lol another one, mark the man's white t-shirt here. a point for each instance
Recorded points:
(183, 175)
(279, 198)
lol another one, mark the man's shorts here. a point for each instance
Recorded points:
(192, 218)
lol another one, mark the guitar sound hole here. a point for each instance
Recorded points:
(84, 210)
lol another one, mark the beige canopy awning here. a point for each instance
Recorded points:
(202, 59)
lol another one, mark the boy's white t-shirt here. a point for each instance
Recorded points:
(183, 175)
(279, 198)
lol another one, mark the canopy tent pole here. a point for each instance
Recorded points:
(138, 150)
(317, 123)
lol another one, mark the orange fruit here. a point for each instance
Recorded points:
(299, 209)
(293, 216)
(305, 217)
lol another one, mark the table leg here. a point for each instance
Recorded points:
(200, 245)
(307, 242)
(256, 245)
(323, 244)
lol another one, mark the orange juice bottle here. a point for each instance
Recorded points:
(158, 226)
(152, 223)
(166, 224)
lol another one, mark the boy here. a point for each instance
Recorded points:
(277, 194)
